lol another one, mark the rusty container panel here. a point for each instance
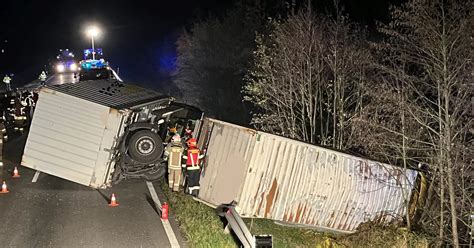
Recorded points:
(295, 182)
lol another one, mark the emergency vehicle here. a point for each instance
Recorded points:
(94, 70)
(66, 62)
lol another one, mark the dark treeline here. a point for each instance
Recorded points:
(401, 92)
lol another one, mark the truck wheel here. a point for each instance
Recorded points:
(145, 146)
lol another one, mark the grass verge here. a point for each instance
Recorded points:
(377, 235)
(203, 228)
(199, 223)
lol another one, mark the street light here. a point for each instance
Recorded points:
(93, 31)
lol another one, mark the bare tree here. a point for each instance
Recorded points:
(306, 77)
(427, 61)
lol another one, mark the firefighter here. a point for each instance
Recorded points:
(19, 114)
(173, 153)
(7, 80)
(42, 77)
(31, 105)
(171, 132)
(193, 168)
(188, 132)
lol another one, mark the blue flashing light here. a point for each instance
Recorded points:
(93, 64)
(88, 53)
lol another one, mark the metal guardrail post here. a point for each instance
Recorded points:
(240, 229)
(237, 225)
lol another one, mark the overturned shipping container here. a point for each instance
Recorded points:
(294, 182)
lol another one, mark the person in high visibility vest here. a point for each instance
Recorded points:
(30, 102)
(193, 167)
(42, 77)
(173, 153)
(19, 114)
(7, 80)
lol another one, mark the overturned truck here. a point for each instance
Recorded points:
(99, 132)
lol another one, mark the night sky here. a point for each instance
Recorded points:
(138, 36)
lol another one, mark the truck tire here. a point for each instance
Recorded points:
(145, 146)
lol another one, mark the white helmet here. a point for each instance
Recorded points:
(176, 138)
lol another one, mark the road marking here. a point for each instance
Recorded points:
(35, 177)
(169, 231)
(49, 78)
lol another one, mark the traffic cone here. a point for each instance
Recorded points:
(165, 211)
(4, 188)
(113, 201)
(16, 174)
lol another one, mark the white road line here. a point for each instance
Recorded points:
(169, 231)
(52, 76)
(35, 178)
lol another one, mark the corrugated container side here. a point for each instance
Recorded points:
(67, 138)
(299, 183)
(223, 174)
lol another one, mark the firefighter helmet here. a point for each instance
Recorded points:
(176, 138)
(192, 142)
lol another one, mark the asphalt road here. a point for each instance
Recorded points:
(53, 212)
(61, 78)
(54, 79)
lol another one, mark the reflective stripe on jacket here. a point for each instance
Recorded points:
(193, 159)
(173, 153)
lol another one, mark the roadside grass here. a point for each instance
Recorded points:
(202, 227)
(286, 236)
(377, 235)
(199, 223)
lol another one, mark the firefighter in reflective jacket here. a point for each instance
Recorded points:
(193, 157)
(42, 77)
(173, 153)
(7, 80)
(19, 114)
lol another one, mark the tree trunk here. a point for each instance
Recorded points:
(452, 201)
(441, 200)
(404, 157)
